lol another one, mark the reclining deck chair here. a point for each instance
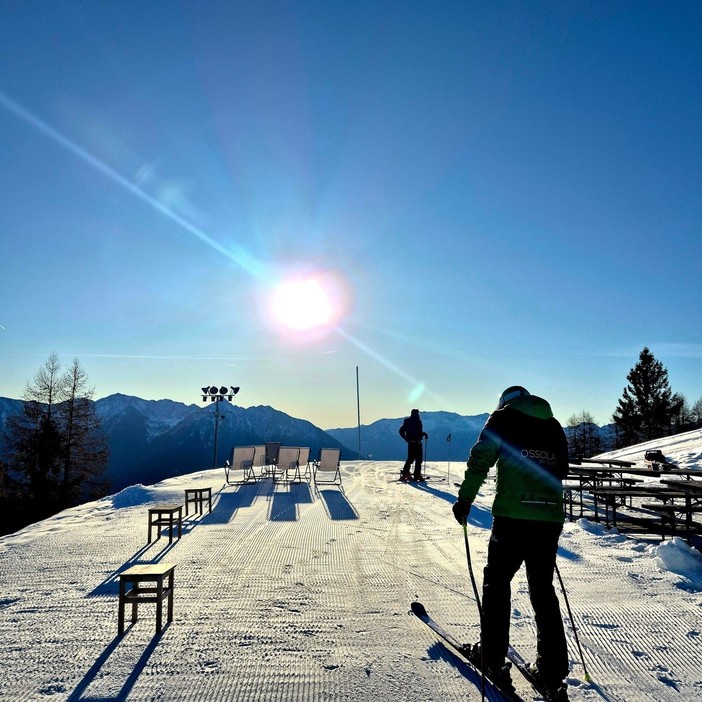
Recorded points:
(286, 463)
(259, 460)
(303, 463)
(242, 459)
(271, 459)
(326, 469)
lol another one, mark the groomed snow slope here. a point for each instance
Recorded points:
(282, 594)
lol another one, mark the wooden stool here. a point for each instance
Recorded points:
(165, 516)
(198, 496)
(138, 574)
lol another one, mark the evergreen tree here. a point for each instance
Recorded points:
(58, 452)
(84, 451)
(583, 436)
(34, 442)
(647, 406)
(696, 415)
(682, 420)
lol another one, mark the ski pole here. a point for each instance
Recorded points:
(477, 601)
(572, 623)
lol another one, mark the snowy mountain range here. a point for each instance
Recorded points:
(450, 436)
(151, 440)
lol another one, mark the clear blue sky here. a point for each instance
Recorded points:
(488, 193)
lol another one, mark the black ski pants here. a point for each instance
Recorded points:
(414, 455)
(534, 543)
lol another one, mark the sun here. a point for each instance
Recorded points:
(302, 304)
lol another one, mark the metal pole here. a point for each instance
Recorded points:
(358, 413)
(477, 601)
(216, 395)
(216, 427)
(448, 467)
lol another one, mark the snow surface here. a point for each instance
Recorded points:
(282, 594)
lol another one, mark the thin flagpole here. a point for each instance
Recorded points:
(448, 467)
(358, 413)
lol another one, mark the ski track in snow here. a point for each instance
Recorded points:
(281, 594)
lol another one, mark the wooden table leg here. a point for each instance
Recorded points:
(120, 610)
(159, 604)
(170, 596)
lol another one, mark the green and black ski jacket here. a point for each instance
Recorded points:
(529, 447)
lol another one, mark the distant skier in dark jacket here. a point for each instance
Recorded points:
(413, 433)
(528, 446)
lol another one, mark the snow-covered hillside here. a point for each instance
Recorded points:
(685, 450)
(282, 594)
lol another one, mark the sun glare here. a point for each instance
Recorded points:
(302, 304)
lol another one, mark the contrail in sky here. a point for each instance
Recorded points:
(240, 257)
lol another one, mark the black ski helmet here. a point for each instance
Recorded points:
(511, 393)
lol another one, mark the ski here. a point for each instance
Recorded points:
(514, 657)
(426, 479)
(420, 612)
(523, 667)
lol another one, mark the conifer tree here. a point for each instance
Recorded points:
(34, 441)
(84, 451)
(58, 451)
(647, 406)
(583, 436)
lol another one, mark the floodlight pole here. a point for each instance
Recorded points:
(216, 429)
(216, 395)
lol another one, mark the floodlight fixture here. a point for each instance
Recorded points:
(217, 394)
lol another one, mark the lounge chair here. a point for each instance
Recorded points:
(303, 463)
(243, 460)
(259, 460)
(326, 469)
(286, 463)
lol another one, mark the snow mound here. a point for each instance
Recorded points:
(591, 527)
(131, 496)
(676, 556)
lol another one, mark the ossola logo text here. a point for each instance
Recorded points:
(546, 457)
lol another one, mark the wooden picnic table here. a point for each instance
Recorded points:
(619, 472)
(693, 497)
(613, 497)
(611, 462)
(588, 478)
(685, 473)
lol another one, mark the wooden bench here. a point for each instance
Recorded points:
(155, 591)
(613, 497)
(577, 483)
(668, 514)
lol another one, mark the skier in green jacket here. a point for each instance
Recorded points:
(530, 450)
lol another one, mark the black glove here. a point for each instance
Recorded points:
(425, 435)
(461, 508)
